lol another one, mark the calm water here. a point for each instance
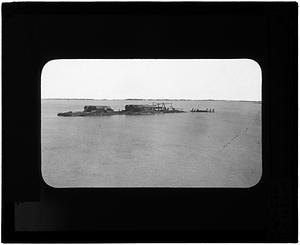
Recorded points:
(221, 149)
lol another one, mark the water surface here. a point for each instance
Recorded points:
(221, 149)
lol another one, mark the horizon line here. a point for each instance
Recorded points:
(153, 99)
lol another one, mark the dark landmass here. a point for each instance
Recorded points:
(92, 110)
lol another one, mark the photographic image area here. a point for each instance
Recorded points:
(151, 123)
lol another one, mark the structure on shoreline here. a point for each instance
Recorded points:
(155, 108)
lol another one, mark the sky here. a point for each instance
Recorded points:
(218, 79)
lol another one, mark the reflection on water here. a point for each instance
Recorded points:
(221, 149)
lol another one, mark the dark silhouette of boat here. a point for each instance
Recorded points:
(206, 110)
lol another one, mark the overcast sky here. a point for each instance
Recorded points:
(229, 79)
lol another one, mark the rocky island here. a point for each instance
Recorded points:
(92, 110)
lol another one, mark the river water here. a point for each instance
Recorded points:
(221, 149)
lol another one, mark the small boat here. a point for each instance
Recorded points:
(206, 110)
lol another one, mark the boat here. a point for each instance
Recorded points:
(207, 110)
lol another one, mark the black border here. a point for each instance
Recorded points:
(34, 33)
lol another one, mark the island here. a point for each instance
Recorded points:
(147, 109)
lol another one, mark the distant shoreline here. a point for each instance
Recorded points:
(256, 101)
(65, 99)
